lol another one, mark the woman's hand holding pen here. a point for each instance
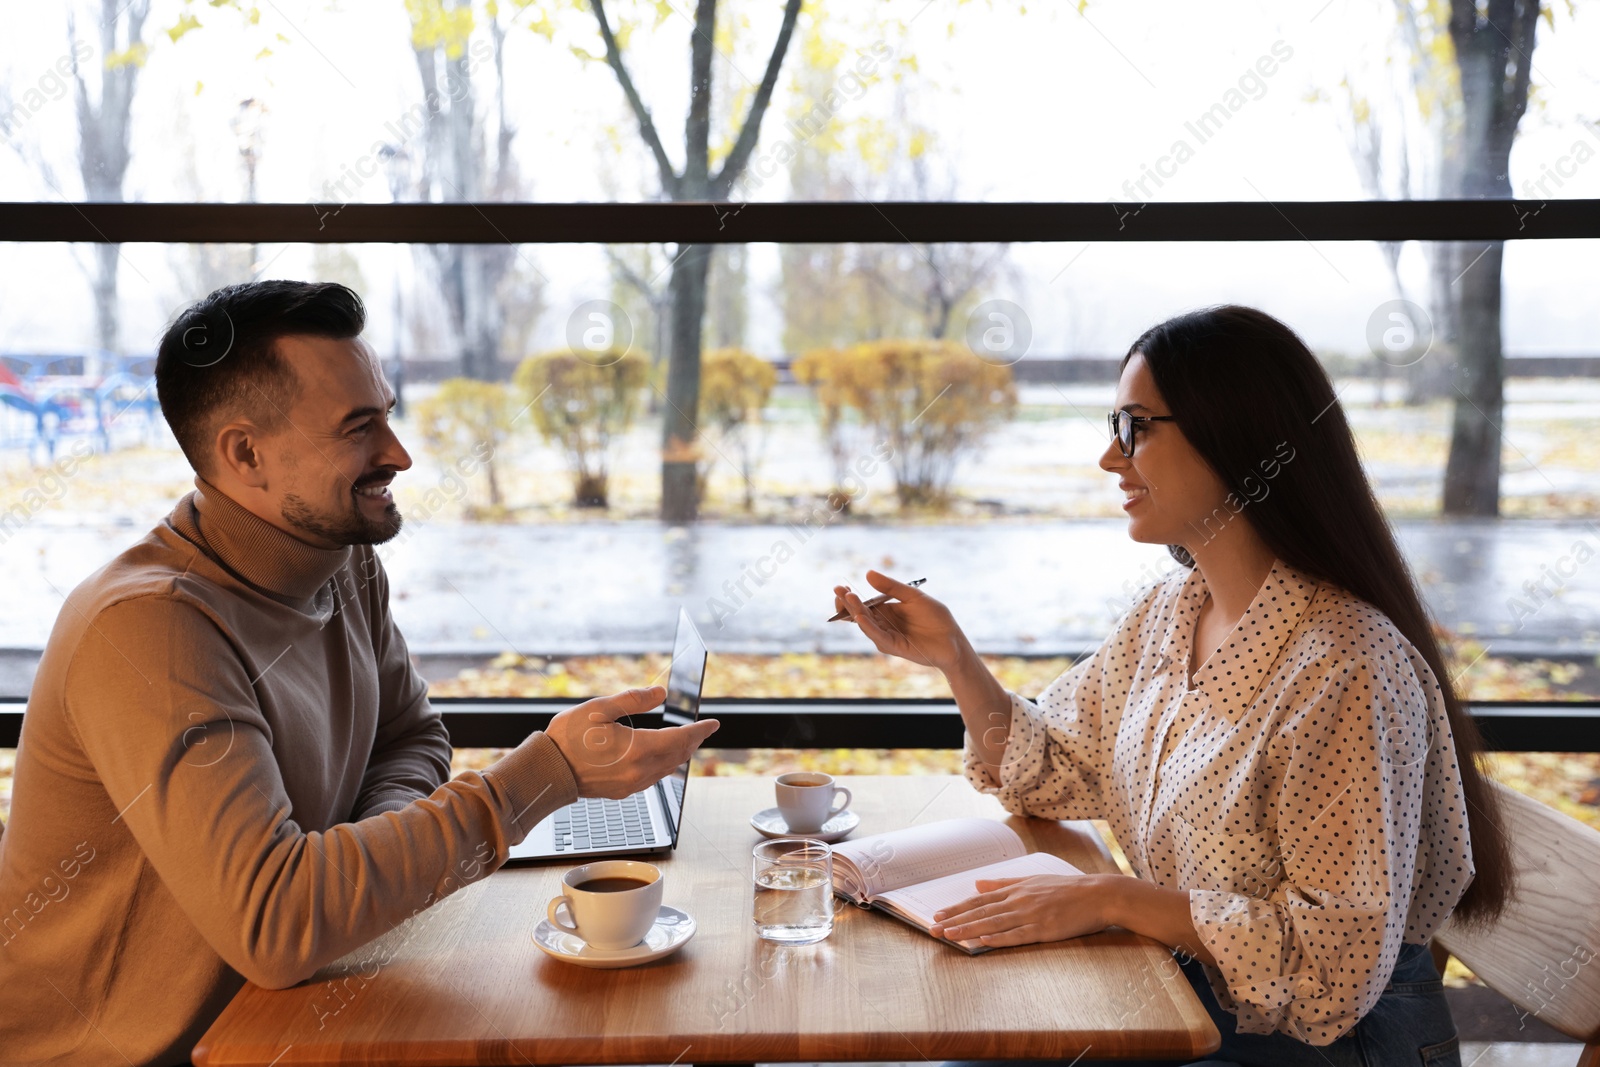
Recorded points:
(914, 626)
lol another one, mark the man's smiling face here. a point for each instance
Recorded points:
(331, 459)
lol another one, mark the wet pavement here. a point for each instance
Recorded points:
(1523, 587)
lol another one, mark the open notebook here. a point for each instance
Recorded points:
(912, 873)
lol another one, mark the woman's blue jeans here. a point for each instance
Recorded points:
(1409, 1026)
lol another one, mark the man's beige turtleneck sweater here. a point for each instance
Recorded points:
(228, 770)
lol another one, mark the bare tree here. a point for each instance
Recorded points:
(643, 277)
(1469, 72)
(935, 279)
(1435, 89)
(695, 181)
(459, 164)
(1397, 126)
(103, 150)
(931, 281)
(1383, 163)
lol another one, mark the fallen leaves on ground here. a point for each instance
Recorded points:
(812, 675)
(801, 675)
(1566, 781)
(1479, 676)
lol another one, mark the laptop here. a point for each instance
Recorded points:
(649, 820)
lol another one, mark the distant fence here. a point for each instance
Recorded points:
(1062, 370)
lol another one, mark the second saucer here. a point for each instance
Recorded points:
(769, 823)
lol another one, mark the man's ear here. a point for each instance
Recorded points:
(238, 451)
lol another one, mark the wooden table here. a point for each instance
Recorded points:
(463, 982)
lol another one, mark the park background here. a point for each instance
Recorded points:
(545, 551)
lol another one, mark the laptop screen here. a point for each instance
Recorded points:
(682, 706)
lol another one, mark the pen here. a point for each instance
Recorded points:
(874, 602)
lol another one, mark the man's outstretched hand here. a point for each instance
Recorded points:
(612, 760)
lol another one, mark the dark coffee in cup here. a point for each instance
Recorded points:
(611, 885)
(611, 904)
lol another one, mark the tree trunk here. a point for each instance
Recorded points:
(1494, 54)
(680, 498)
(103, 148)
(104, 283)
(494, 484)
(680, 450)
(484, 267)
(1472, 474)
(661, 312)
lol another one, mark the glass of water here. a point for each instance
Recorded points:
(793, 890)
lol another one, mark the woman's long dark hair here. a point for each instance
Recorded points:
(1240, 384)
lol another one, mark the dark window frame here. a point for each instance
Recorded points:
(870, 722)
(800, 222)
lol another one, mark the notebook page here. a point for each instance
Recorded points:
(922, 900)
(918, 853)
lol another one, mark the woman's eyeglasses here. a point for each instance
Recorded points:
(1125, 423)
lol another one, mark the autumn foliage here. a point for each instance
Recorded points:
(582, 404)
(467, 417)
(933, 401)
(735, 386)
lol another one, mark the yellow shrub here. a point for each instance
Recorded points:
(735, 386)
(932, 401)
(827, 372)
(467, 418)
(582, 404)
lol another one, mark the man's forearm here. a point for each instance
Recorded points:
(405, 766)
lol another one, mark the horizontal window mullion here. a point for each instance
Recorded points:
(799, 223)
(1508, 726)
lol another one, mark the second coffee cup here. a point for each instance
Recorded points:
(806, 800)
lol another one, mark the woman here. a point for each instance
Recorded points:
(1270, 729)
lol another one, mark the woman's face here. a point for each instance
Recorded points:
(1171, 495)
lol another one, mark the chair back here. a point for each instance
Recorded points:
(1543, 953)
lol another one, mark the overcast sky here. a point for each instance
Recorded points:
(1042, 105)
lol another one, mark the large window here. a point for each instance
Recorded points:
(559, 577)
(542, 583)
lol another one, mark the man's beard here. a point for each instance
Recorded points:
(351, 528)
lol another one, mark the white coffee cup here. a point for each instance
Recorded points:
(806, 800)
(604, 912)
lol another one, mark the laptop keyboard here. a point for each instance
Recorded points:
(595, 822)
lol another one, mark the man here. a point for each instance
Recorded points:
(229, 769)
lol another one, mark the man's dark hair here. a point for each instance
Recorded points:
(219, 360)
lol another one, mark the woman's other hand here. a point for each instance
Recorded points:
(917, 628)
(1020, 911)
(1054, 907)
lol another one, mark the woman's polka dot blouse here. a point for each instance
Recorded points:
(1305, 792)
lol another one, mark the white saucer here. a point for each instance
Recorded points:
(769, 823)
(672, 931)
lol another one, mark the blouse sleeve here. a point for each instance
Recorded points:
(1054, 763)
(1366, 744)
